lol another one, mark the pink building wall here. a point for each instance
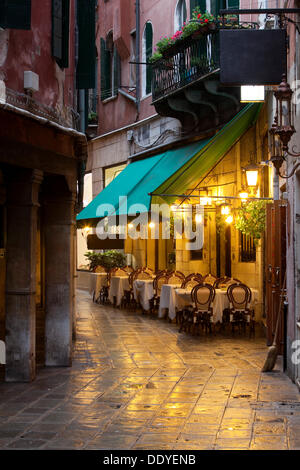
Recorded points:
(120, 111)
(22, 50)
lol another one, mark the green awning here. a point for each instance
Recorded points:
(208, 157)
(139, 179)
(171, 172)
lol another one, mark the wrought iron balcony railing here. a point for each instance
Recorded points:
(66, 116)
(185, 63)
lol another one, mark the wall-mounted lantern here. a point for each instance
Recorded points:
(251, 171)
(283, 128)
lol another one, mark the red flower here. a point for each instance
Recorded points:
(206, 20)
(199, 16)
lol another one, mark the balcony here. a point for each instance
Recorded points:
(186, 85)
(65, 116)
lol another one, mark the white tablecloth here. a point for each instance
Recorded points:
(117, 286)
(182, 298)
(167, 300)
(97, 281)
(143, 292)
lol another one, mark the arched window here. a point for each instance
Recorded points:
(180, 14)
(147, 51)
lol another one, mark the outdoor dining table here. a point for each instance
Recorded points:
(118, 284)
(167, 300)
(97, 281)
(143, 292)
(181, 298)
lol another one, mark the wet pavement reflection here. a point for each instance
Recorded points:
(136, 383)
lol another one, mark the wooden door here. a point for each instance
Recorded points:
(275, 268)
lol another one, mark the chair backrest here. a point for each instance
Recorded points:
(226, 281)
(128, 269)
(175, 277)
(158, 282)
(131, 278)
(148, 270)
(191, 281)
(239, 296)
(100, 269)
(203, 296)
(209, 279)
(142, 274)
(118, 272)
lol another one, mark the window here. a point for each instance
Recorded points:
(132, 71)
(147, 48)
(180, 14)
(110, 68)
(247, 249)
(15, 14)
(111, 172)
(201, 4)
(60, 31)
(217, 5)
(86, 25)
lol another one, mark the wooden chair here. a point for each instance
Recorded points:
(118, 272)
(203, 296)
(189, 282)
(128, 300)
(142, 274)
(100, 269)
(175, 277)
(157, 285)
(239, 296)
(128, 269)
(209, 279)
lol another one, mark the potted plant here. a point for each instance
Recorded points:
(109, 259)
(93, 118)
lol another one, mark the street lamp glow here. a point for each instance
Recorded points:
(151, 224)
(244, 196)
(229, 219)
(198, 218)
(225, 209)
(86, 231)
(252, 175)
(130, 225)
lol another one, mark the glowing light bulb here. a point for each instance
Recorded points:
(229, 219)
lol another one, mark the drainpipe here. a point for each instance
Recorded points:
(138, 31)
(82, 110)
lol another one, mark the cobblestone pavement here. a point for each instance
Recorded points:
(136, 383)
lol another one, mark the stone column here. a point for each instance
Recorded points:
(22, 205)
(59, 226)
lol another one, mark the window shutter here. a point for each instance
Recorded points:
(149, 49)
(15, 14)
(86, 17)
(105, 72)
(117, 71)
(216, 6)
(231, 4)
(60, 31)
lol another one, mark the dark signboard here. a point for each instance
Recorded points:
(94, 243)
(252, 57)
